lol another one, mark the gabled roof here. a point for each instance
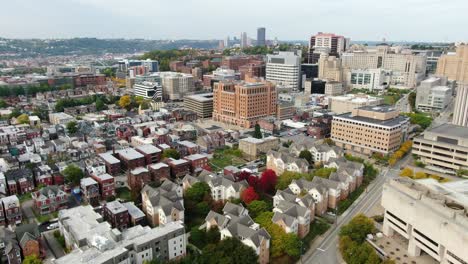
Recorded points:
(287, 158)
(288, 220)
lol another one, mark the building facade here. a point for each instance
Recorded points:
(454, 66)
(284, 69)
(460, 112)
(202, 104)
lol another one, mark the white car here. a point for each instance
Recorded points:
(53, 226)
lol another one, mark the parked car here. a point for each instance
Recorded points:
(53, 226)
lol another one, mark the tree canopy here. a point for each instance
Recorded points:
(229, 251)
(305, 154)
(23, 119)
(170, 153)
(257, 132)
(72, 127)
(73, 174)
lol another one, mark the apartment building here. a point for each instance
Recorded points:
(326, 43)
(347, 103)
(176, 85)
(148, 90)
(370, 129)
(252, 147)
(433, 95)
(243, 103)
(430, 215)
(60, 118)
(284, 69)
(116, 214)
(164, 204)
(202, 104)
(151, 153)
(90, 190)
(460, 112)
(93, 240)
(12, 209)
(443, 148)
(454, 66)
(106, 184)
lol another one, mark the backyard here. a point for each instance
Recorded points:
(225, 157)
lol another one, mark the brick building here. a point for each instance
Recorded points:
(106, 184)
(130, 158)
(112, 164)
(11, 207)
(116, 214)
(138, 177)
(49, 199)
(151, 153)
(159, 171)
(179, 168)
(198, 162)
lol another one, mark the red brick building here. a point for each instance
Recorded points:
(116, 214)
(159, 171)
(137, 178)
(89, 79)
(130, 158)
(257, 69)
(106, 184)
(50, 199)
(179, 168)
(112, 164)
(197, 162)
(11, 207)
(151, 153)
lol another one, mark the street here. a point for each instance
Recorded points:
(326, 252)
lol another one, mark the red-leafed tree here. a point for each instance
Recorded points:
(253, 181)
(268, 180)
(243, 175)
(249, 195)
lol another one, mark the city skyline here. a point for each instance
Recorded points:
(166, 20)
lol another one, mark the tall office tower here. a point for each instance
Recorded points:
(455, 66)
(243, 103)
(460, 112)
(326, 43)
(227, 41)
(243, 42)
(261, 36)
(284, 69)
(221, 45)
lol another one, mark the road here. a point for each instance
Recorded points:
(445, 116)
(326, 252)
(403, 105)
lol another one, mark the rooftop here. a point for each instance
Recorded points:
(130, 154)
(389, 122)
(148, 149)
(451, 130)
(116, 207)
(206, 97)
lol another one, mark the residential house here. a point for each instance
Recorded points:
(130, 158)
(116, 214)
(12, 209)
(19, 181)
(293, 218)
(186, 147)
(137, 178)
(164, 204)
(323, 152)
(281, 162)
(113, 165)
(198, 162)
(106, 184)
(179, 167)
(223, 187)
(159, 171)
(151, 153)
(137, 217)
(49, 199)
(30, 240)
(90, 190)
(9, 246)
(211, 141)
(319, 193)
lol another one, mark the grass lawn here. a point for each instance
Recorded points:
(391, 99)
(123, 193)
(44, 218)
(225, 157)
(24, 197)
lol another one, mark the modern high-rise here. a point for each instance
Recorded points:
(148, 90)
(284, 69)
(430, 215)
(433, 95)
(244, 41)
(370, 129)
(176, 85)
(326, 43)
(460, 112)
(261, 36)
(243, 103)
(454, 66)
(202, 104)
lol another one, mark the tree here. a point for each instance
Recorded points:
(257, 132)
(407, 172)
(268, 180)
(212, 235)
(125, 102)
(202, 208)
(100, 105)
(249, 195)
(32, 259)
(324, 172)
(305, 154)
(243, 175)
(72, 127)
(171, 153)
(257, 207)
(23, 119)
(412, 100)
(73, 174)
(3, 104)
(420, 175)
(358, 228)
(286, 178)
(197, 192)
(229, 251)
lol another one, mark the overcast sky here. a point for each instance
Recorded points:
(411, 20)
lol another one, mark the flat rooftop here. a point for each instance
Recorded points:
(389, 122)
(206, 97)
(130, 154)
(148, 149)
(451, 130)
(378, 108)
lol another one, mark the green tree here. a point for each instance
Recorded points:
(412, 100)
(100, 105)
(72, 127)
(358, 228)
(171, 153)
(202, 208)
(286, 178)
(73, 174)
(32, 259)
(23, 119)
(197, 192)
(3, 104)
(213, 235)
(257, 207)
(257, 132)
(305, 154)
(229, 251)
(324, 172)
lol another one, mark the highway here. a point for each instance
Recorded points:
(326, 252)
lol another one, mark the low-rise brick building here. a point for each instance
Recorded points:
(112, 163)
(197, 162)
(106, 184)
(138, 177)
(116, 214)
(11, 207)
(179, 167)
(131, 158)
(90, 190)
(151, 153)
(159, 171)
(49, 199)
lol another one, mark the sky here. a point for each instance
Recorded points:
(396, 20)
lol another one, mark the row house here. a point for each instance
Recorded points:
(186, 147)
(224, 187)
(95, 166)
(116, 214)
(90, 191)
(106, 184)
(159, 171)
(287, 195)
(179, 167)
(43, 175)
(9, 246)
(19, 181)
(130, 158)
(197, 162)
(323, 152)
(113, 165)
(30, 240)
(49, 199)
(319, 193)
(151, 153)
(12, 210)
(211, 141)
(136, 216)
(164, 204)
(280, 162)
(138, 177)
(293, 218)
(236, 222)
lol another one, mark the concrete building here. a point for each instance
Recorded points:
(333, 88)
(284, 69)
(93, 240)
(460, 112)
(202, 104)
(370, 129)
(454, 66)
(368, 79)
(243, 103)
(244, 40)
(326, 43)
(176, 85)
(330, 68)
(261, 36)
(347, 103)
(433, 95)
(148, 90)
(430, 215)
(252, 147)
(443, 148)
(60, 118)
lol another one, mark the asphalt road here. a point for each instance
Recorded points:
(326, 252)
